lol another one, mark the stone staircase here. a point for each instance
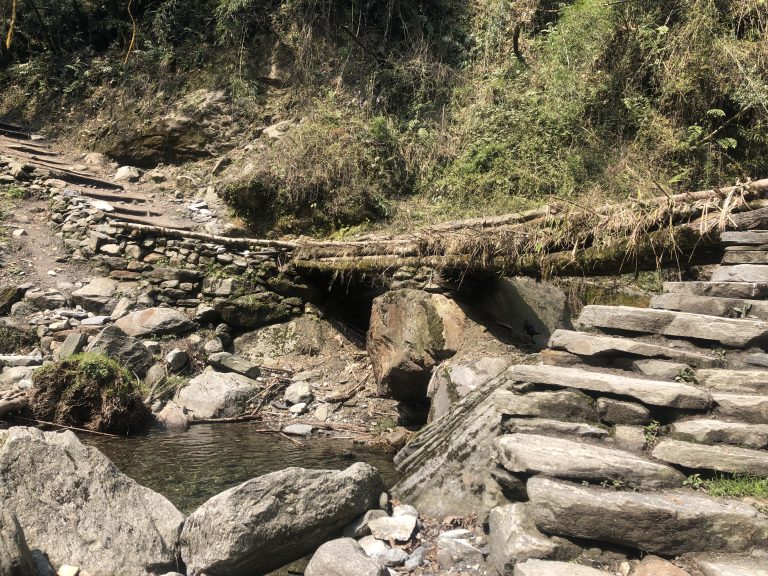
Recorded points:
(612, 438)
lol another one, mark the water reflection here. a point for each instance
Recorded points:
(190, 467)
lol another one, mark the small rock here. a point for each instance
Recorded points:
(372, 546)
(398, 528)
(68, 571)
(299, 408)
(297, 393)
(298, 429)
(343, 557)
(152, 346)
(359, 527)
(655, 566)
(405, 510)
(392, 557)
(127, 174)
(176, 359)
(19, 232)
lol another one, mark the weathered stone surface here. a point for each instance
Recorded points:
(172, 418)
(748, 381)
(9, 295)
(745, 257)
(343, 557)
(298, 392)
(552, 568)
(573, 460)
(584, 344)
(711, 306)
(741, 273)
(721, 458)
(531, 310)
(746, 290)
(217, 394)
(450, 383)
(672, 394)
(359, 528)
(544, 426)
(15, 556)
(155, 321)
(744, 238)
(114, 343)
(710, 431)
(254, 310)
(76, 506)
(619, 412)
(514, 538)
(736, 332)
(397, 528)
(95, 295)
(655, 566)
(731, 565)
(670, 523)
(658, 369)
(227, 362)
(630, 438)
(410, 333)
(559, 405)
(744, 407)
(275, 519)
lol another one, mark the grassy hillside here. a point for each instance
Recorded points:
(400, 112)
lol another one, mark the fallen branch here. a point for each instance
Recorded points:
(85, 430)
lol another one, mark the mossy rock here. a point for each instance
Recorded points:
(15, 338)
(89, 391)
(255, 310)
(9, 295)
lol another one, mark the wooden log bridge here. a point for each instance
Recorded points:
(557, 239)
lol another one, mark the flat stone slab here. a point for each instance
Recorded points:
(747, 290)
(745, 238)
(722, 458)
(731, 565)
(585, 344)
(572, 460)
(671, 522)
(553, 568)
(712, 306)
(655, 393)
(227, 362)
(734, 380)
(560, 404)
(544, 425)
(155, 321)
(741, 273)
(711, 431)
(744, 407)
(745, 257)
(735, 332)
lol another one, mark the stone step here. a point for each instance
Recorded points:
(712, 431)
(566, 405)
(741, 273)
(745, 238)
(655, 393)
(739, 333)
(712, 306)
(745, 257)
(549, 426)
(722, 458)
(671, 522)
(743, 407)
(591, 345)
(554, 568)
(579, 461)
(747, 381)
(746, 290)
(730, 565)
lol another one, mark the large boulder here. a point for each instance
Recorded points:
(15, 556)
(217, 394)
(410, 333)
(155, 321)
(77, 507)
(343, 557)
(113, 343)
(272, 520)
(531, 310)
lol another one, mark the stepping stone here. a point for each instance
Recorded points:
(749, 381)
(747, 290)
(711, 431)
(722, 458)
(561, 405)
(746, 238)
(553, 568)
(712, 306)
(655, 393)
(744, 407)
(585, 344)
(741, 273)
(544, 426)
(726, 331)
(745, 257)
(572, 460)
(669, 523)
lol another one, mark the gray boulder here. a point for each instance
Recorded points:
(550, 568)
(96, 295)
(15, 556)
(669, 523)
(514, 538)
(155, 321)
(75, 505)
(130, 352)
(343, 557)
(451, 383)
(269, 521)
(217, 394)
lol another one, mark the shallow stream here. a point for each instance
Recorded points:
(190, 467)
